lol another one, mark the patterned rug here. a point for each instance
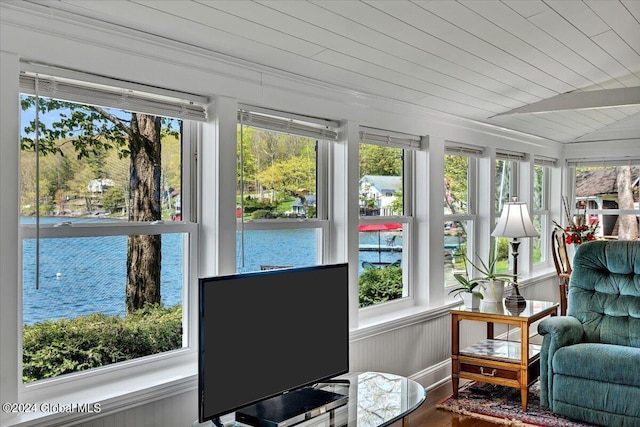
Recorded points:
(501, 405)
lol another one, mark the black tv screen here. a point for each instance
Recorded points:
(262, 334)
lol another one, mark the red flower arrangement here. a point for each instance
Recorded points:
(577, 232)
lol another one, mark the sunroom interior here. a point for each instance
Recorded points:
(414, 122)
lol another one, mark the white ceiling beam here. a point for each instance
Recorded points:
(581, 100)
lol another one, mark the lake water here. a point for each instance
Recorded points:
(87, 275)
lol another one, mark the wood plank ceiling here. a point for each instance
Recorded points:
(475, 59)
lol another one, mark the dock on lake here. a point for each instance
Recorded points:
(381, 248)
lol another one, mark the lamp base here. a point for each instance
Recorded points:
(515, 299)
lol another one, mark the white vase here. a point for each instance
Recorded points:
(492, 291)
(471, 300)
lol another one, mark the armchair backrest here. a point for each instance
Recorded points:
(604, 294)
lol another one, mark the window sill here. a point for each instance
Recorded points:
(373, 325)
(111, 397)
(383, 323)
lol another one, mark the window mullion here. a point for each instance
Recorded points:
(84, 230)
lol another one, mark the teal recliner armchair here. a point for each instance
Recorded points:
(590, 359)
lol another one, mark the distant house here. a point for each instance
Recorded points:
(100, 185)
(379, 190)
(300, 208)
(597, 189)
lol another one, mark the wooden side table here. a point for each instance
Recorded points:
(502, 362)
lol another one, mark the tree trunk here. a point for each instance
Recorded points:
(627, 224)
(144, 252)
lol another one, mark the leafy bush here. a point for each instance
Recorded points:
(63, 346)
(252, 204)
(264, 214)
(378, 285)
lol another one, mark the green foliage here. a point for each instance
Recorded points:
(113, 199)
(270, 160)
(379, 160)
(503, 249)
(489, 270)
(255, 204)
(378, 285)
(397, 204)
(86, 127)
(465, 285)
(290, 176)
(65, 173)
(63, 346)
(456, 182)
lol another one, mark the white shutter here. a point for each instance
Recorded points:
(288, 123)
(64, 89)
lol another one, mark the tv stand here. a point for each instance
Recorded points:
(290, 408)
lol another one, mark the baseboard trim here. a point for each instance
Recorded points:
(434, 376)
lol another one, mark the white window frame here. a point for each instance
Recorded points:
(471, 217)
(323, 131)
(409, 144)
(137, 380)
(544, 211)
(572, 164)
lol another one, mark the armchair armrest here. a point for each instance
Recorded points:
(557, 332)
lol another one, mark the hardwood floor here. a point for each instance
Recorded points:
(427, 415)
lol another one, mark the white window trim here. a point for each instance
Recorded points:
(544, 212)
(386, 309)
(124, 384)
(472, 202)
(306, 127)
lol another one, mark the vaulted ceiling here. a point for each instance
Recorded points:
(566, 70)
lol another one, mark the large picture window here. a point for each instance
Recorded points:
(281, 189)
(104, 225)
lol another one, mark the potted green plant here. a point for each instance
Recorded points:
(490, 280)
(466, 291)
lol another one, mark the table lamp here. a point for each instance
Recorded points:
(515, 222)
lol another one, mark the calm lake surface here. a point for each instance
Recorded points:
(86, 275)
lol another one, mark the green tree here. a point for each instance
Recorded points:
(379, 160)
(455, 183)
(247, 162)
(93, 130)
(397, 204)
(292, 176)
(113, 199)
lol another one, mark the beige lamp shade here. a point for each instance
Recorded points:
(515, 222)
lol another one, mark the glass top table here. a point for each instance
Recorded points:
(502, 362)
(376, 399)
(497, 310)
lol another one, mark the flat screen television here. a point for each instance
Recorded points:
(263, 334)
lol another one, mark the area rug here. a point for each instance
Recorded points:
(501, 405)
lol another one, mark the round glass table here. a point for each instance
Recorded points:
(375, 399)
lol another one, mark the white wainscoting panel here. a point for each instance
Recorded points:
(175, 411)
